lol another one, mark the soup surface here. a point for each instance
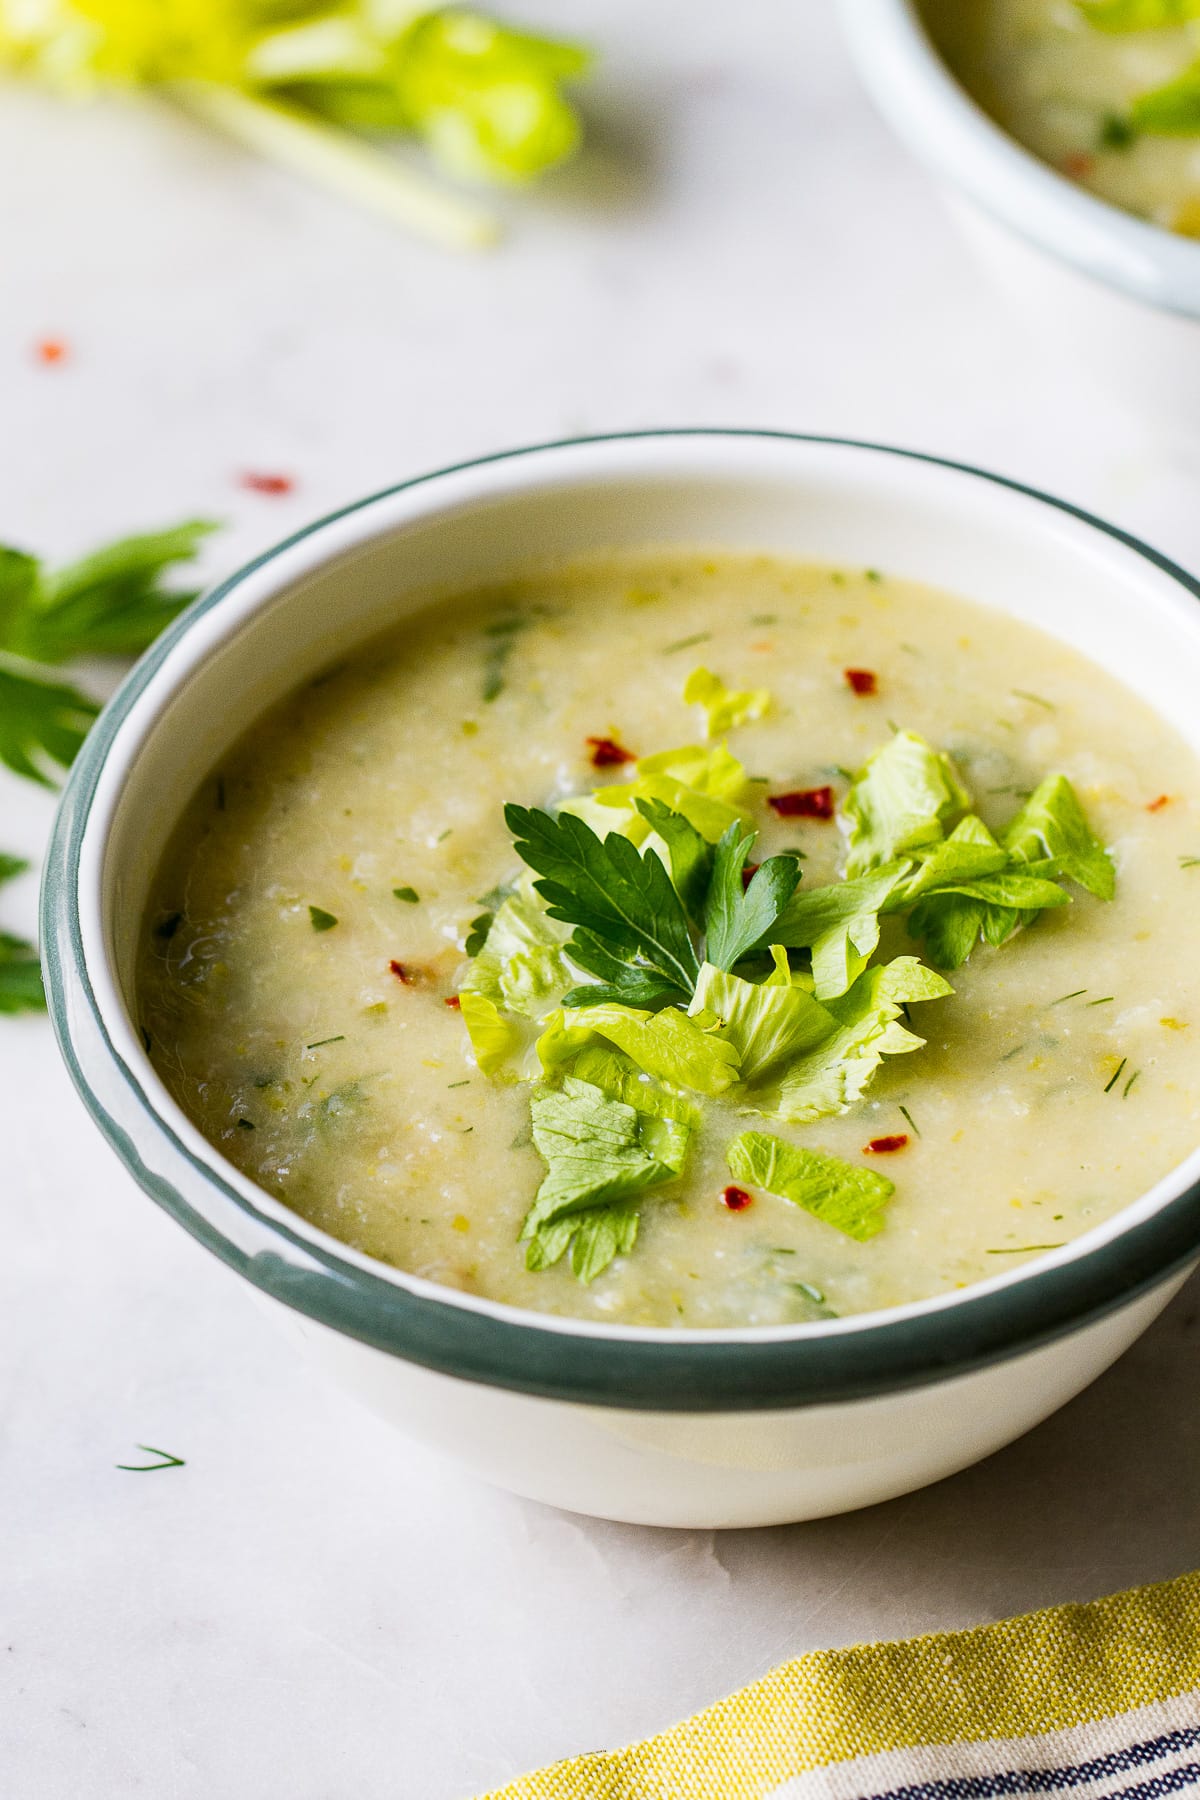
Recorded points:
(305, 988)
(1117, 110)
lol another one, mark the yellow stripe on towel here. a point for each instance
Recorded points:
(1114, 1681)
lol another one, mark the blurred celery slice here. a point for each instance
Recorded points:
(336, 159)
(299, 81)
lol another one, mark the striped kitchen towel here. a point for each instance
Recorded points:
(1101, 1702)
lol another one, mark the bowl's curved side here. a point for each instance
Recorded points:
(723, 1470)
(482, 1343)
(940, 123)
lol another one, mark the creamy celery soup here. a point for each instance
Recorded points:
(692, 941)
(1106, 91)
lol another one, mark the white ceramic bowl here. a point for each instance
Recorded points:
(1119, 293)
(665, 1427)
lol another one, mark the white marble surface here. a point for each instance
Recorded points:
(310, 1607)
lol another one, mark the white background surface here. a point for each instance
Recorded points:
(310, 1607)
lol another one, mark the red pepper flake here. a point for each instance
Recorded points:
(863, 681)
(1157, 805)
(401, 972)
(736, 1199)
(804, 803)
(749, 872)
(51, 350)
(1078, 164)
(453, 1001)
(884, 1145)
(260, 483)
(608, 754)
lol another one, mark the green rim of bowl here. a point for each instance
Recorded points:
(526, 1352)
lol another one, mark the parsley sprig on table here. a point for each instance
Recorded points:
(20, 976)
(42, 723)
(712, 978)
(113, 602)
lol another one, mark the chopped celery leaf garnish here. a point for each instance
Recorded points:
(839, 1194)
(645, 965)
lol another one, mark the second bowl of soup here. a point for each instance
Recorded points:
(1068, 145)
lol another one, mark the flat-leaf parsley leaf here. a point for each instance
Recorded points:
(42, 723)
(110, 603)
(20, 976)
(608, 888)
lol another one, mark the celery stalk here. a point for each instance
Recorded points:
(295, 140)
